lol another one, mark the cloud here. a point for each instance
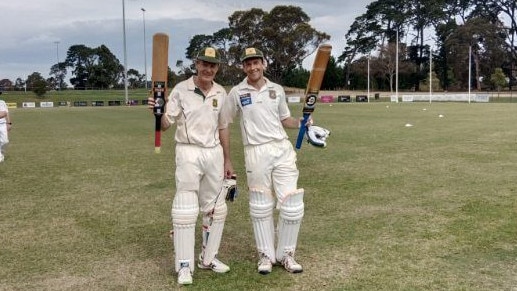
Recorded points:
(37, 32)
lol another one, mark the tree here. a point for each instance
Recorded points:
(498, 79)
(422, 15)
(246, 28)
(94, 67)
(333, 78)
(107, 71)
(284, 35)
(297, 78)
(480, 36)
(361, 40)
(375, 28)
(443, 32)
(80, 59)
(288, 39)
(509, 8)
(19, 84)
(37, 84)
(59, 71)
(5, 84)
(384, 66)
(489, 27)
(135, 79)
(435, 82)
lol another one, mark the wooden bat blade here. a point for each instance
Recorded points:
(318, 69)
(313, 87)
(160, 57)
(159, 82)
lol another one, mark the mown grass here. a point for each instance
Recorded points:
(85, 202)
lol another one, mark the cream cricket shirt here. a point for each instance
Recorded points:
(261, 112)
(198, 118)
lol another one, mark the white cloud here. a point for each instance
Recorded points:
(32, 27)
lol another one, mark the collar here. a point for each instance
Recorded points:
(190, 84)
(245, 85)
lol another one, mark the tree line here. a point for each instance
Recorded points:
(435, 39)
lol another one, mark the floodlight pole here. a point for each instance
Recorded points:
(368, 78)
(57, 63)
(125, 50)
(397, 66)
(470, 68)
(430, 74)
(145, 49)
(57, 51)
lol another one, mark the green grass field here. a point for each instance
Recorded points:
(85, 202)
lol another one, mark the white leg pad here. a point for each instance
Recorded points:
(184, 214)
(262, 204)
(289, 221)
(213, 224)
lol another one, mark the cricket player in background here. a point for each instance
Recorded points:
(5, 127)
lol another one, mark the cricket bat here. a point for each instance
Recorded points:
(159, 82)
(313, 87)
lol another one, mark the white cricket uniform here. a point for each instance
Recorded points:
(199, 160)
(198, 150)
(4, 138)
(269, 155)
(270, 167)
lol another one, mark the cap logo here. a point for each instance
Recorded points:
(251, 51)
(210, 52)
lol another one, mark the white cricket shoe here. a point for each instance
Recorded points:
(291, 265)
(216, 265)
(184, 276)
(1, 158)
(264, 265)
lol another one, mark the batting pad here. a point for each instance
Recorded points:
(261, 212)
(289, 221)
(184, 214)
(213, 225)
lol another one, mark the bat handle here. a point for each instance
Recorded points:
(301, 133)
(157, 133)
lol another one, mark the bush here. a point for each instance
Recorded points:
(40, 88)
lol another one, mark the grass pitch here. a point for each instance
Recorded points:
(85, 202)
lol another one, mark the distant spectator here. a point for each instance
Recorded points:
(5, 127)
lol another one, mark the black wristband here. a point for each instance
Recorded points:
(9, 123)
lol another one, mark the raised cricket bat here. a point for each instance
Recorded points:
(159, 82)
(313, 87)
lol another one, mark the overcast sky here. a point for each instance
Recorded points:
(36, 33)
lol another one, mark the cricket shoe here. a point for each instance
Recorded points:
(264, 265)
(290, 264)
(184, 276)
(216, 265)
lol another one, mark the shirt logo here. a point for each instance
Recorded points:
(214, 103)
(272, 94)
(245, 99)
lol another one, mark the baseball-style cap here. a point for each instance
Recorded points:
(251, 52)
(209, 54)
